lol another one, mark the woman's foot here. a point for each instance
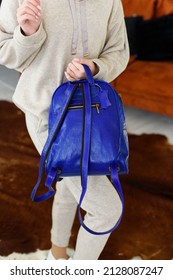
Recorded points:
(50, 257)
(61, 253)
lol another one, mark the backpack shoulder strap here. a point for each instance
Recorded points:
(85, 161)
(57, 124)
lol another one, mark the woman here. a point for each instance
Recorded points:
(48, 41)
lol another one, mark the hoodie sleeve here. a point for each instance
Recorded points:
(16, 50)
(115, 55)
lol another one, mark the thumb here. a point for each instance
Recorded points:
(89, 63)
(81, 60)
(93, 67)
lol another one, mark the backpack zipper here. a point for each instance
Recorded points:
(80, 106)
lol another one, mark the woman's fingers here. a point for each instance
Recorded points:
(29, 10)
(69, 78)
(29, 16)
(33, 2)
(75, 70)
(26, 17)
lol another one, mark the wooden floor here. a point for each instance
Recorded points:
(138, 121)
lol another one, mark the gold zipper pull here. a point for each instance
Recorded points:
(97, 108)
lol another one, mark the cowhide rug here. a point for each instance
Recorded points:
(147, 226)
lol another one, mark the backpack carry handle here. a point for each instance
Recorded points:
(89, 75)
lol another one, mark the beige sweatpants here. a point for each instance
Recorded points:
(101, 204)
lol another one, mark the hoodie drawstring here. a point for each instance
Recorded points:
(84, 30)
(75, 27)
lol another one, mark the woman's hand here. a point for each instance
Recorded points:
(75, 70)
(29, 16)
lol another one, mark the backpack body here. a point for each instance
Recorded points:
(109, 143)
(87, 136)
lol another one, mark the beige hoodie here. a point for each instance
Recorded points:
(70, 28)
